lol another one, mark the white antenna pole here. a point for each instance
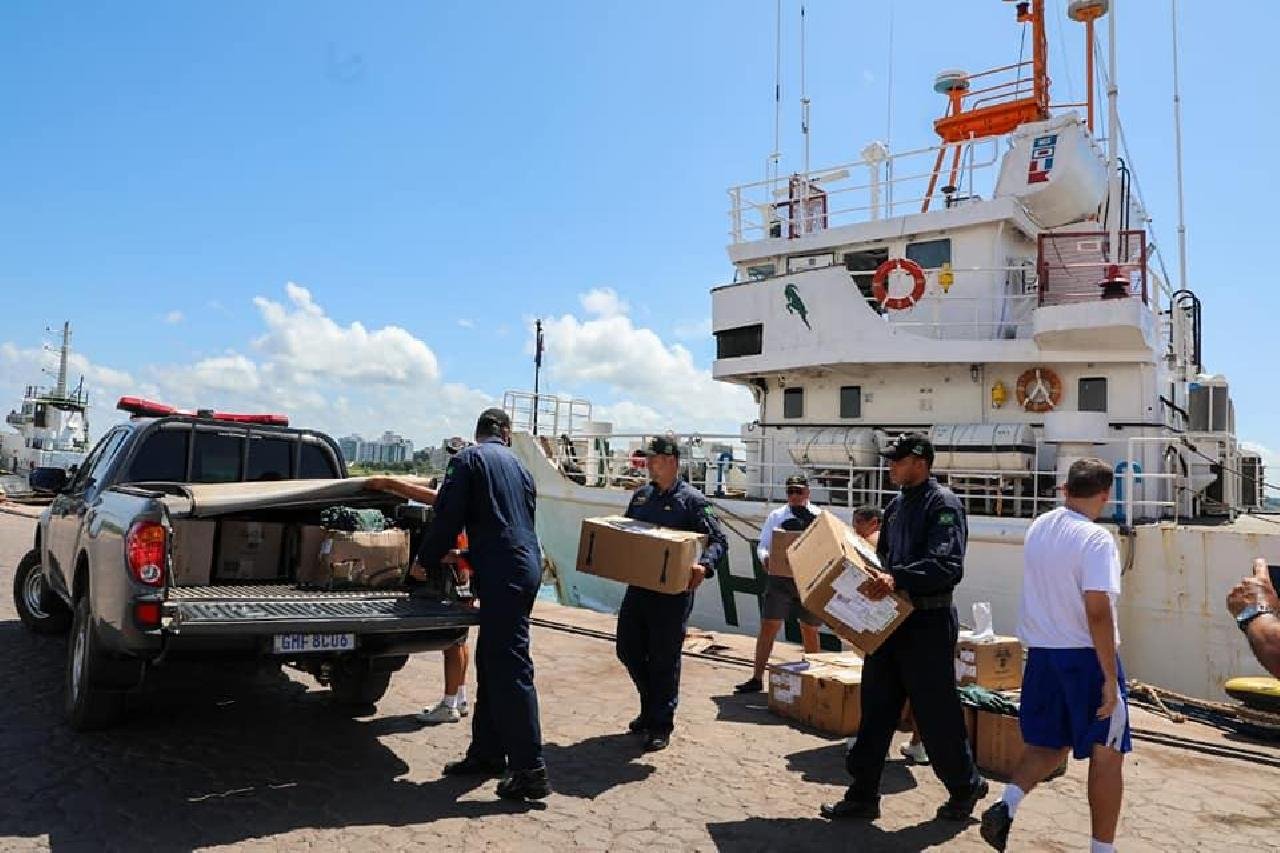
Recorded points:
(1113, 143)
(804, 99)
(1177, 147)
(888, 124)
(775, 158)
(60, 390)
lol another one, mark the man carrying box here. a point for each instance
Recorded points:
(781, 598)
(1073, 693)
(651, 624)
(922, 554)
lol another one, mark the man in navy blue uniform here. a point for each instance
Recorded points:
(490, 493)
(921, 552)
(651, 625)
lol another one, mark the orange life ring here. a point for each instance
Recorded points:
(881, 292)
(1039, 390)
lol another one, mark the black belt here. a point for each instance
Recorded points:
(931, 602)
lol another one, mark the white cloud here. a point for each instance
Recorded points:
(303, 343)
(654, 384)
(603, 302)
(173, 318)
(467, 324)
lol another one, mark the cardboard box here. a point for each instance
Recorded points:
(830, 564)
(192, 555)
(999, 745)
(638, 553)
(333, 558)
(778, 563)
(826, 696)
(836, 706)
(995, 664)
(249, 550)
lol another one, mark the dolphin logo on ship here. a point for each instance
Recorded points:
(795, 305)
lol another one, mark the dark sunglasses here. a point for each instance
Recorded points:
(795, 490)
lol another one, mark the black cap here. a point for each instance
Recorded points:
(798, 480)
(663, 446)
(909, 444)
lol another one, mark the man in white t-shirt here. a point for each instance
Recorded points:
(781, 597)
(1073, 693)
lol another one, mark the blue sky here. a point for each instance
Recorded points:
(440, 173)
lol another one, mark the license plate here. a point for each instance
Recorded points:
(287, 644)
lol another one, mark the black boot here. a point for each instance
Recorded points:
(524, 784)
(852, 808)
(470, 765)
(960, 808)
(637, 725)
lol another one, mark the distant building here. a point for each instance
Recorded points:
(390, 448)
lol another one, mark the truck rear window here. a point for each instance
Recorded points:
(270, 458)
(317, 464)
(217, 458)
(161, 459)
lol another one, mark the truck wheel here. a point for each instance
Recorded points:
(38, 608)
(88, 706)
(356, 682)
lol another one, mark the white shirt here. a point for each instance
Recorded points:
(773, 522)
(1065, 556)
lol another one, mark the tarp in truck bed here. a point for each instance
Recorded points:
(206, 500)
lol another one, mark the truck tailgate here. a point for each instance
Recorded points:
(282, 608)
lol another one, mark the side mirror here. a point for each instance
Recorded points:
(48, 481)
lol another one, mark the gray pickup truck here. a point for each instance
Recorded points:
(112, 561)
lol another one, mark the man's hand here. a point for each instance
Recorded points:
(1255, 589)
(1110, 697)
(880, 585)
(696, 575)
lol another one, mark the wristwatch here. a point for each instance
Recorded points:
(1251, 612)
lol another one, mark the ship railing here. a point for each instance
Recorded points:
(546, 415)
(1072, 266)
(881, 185)
(719, 465)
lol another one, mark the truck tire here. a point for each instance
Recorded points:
(88, 706)
(357, 682)
(39, 609)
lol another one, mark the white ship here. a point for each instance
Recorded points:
(999, 290)
(52, 424)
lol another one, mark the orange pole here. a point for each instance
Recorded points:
(933, 179)
(1088, 66)
(955, 167)
(1039, 56)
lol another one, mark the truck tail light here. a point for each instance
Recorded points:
(145, 548)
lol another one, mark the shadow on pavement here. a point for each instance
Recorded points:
(210, 755)
(768, 834)
(747, 708)
(825, 765)
(593, 766)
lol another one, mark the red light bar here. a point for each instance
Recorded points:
(142, 408)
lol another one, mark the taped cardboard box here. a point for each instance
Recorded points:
(638, 553)
(249, 550)
(786, 690)
(192, 556)
(994, 663)
(830, 564)
(335, 558)
(778, 563)
(836, 706)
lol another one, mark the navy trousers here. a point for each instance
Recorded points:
(917, 662)
(505, 723)
(651, 629)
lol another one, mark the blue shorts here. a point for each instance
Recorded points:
(1061, 692)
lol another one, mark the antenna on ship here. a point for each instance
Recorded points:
(60, 389)
(804, 99)
(1177, 147)
(775, 159)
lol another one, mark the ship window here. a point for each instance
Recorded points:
(162, 458)
(1093, 394)
(217, 458)
(863, 266)
(851, 401)
(793, 402)
(744, 340)
(930, 254)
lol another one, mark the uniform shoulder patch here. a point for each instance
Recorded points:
(947, 517)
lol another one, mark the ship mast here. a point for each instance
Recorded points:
(60, 389)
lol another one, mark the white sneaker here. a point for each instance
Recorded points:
(441, 713)
(914, 752)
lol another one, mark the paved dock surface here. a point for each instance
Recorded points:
(214, 756)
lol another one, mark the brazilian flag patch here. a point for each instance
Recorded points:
(947, 517)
